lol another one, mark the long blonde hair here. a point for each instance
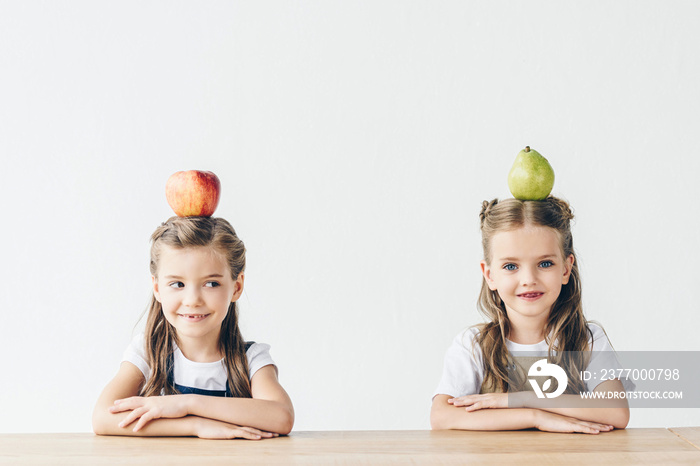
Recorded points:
(184, 232)
(566, 329)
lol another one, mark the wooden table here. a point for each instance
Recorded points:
(658, 446)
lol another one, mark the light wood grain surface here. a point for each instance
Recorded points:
(651, 446)
(691, 434)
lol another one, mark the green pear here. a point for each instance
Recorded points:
(531, 178)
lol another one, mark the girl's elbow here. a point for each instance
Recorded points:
(97, 429)
(437, 420)
(99, 425)
(287, 425)
(104, 423)
(286, 421)
(622, 419)
(285, 428)
(100, 430)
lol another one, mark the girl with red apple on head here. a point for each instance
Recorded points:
(191, 373)
(531, 294)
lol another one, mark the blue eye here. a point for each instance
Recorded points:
(510, 267)
(546, 264)
(212, 284)
(177, 285)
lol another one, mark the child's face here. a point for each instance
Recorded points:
(528, 270)
(195, 287)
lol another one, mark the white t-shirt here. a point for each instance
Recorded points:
(210, 376)
(463, 371)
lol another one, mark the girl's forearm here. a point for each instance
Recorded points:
(270, 416)
(616, 417)
(108, 424)
(452, 417)
(612, 411)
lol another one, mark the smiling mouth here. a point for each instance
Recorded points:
(530, 296)
(193, 317)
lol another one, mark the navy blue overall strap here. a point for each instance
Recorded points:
(184, 390)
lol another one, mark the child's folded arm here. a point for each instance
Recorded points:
(126, 383)
(609, 411)
(270, 409)
(613, 411)
(445, 416)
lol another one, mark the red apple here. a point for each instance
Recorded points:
(193, 193)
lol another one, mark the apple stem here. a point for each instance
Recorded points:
(527, 148)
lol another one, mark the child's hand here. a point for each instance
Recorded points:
(550, 422)
(213, 429)
(146, 409)
(477, 402)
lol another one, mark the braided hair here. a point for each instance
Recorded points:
(566, 329)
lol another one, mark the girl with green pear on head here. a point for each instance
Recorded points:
(531, 297)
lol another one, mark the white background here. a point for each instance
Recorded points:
(355, 142)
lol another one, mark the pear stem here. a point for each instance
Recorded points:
(527, 148)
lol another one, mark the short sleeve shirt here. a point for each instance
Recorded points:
(463, 370)
(209, 376)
